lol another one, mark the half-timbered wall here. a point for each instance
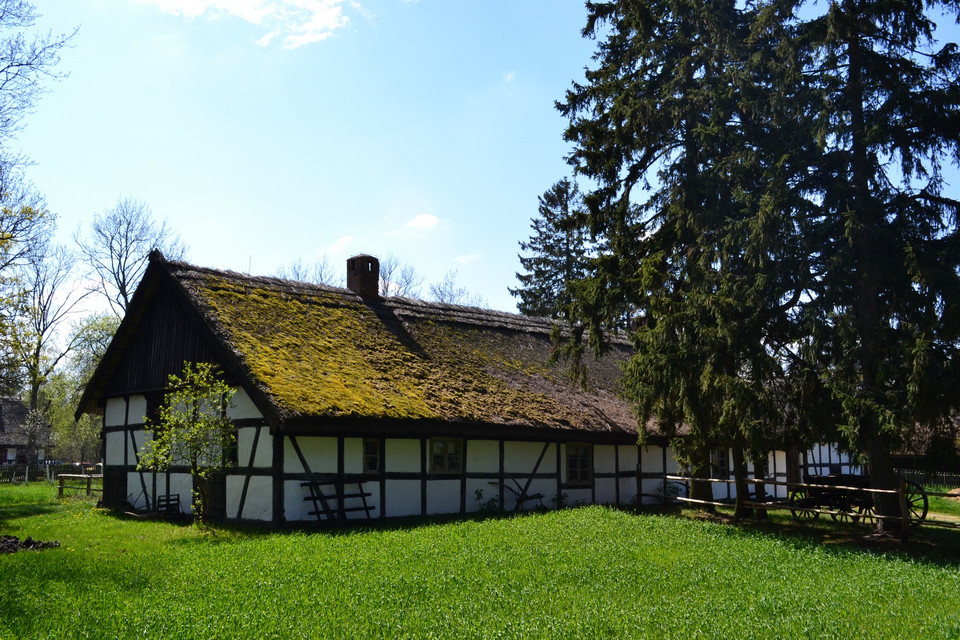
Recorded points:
(493, 473)
(267, 484)
(124, 435)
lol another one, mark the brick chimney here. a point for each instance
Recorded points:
(363, 276)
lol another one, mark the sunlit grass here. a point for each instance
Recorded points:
(583, 573)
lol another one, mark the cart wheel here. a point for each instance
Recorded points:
(849, 513)
(866, 514)
(799, 502)
(917, 504)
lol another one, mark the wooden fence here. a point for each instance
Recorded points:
(906, 496)
(86, 482)
(17, 473)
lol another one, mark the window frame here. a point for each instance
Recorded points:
(445, 467)
(579, 474)
(374, 455)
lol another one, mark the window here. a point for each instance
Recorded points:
(579, 464)
(719, 464)
(371, 455)
(446, 455)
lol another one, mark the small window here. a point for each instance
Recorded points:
(371, 455)
(446, 455)
(579, 464)
(719, 463)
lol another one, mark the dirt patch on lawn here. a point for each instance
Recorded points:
(12, 544)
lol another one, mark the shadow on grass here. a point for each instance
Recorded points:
(924, 543)
(11, 512)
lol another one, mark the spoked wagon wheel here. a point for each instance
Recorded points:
(916, 499)
(847, 513)
(800, 501)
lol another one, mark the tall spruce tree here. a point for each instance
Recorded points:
(557, 255)
(770, 196)
(885, 307)
(692, 207)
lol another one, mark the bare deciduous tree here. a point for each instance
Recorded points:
(320, 272)
(118, 246)
(25, 60)
(48, 303)
(398, 280)
(448, 292)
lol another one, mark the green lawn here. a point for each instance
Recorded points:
(582, 573)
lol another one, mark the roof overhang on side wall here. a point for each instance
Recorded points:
(387, 427)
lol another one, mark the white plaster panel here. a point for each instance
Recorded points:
(651, 459)
(577, 497)
(521, 457)
(403, 497)
(373, 488)
(724, 490)
(488, 491)
(653, 488)
(259, 502)
(606, 490)
(483, 456)
(629, 457)
(264, 455)
(353, 455)
(138, 410)
(673, 467)
(443, 496)
(320, 454)
(114, 446)
(294, 506)
(403, 455)
(135, 493)
(604, 458)
(548, 487)
(182, 484)
(628, 490)
(241, 407)
(115, 413)
(139, 437)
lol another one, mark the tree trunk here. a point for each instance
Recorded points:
(760, 491)
(700, 468)
(740, 509)
(867, 283)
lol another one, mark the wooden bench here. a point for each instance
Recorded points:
(168, 505)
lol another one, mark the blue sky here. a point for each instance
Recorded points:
(269, 130)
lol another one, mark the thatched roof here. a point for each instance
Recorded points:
(314, 353)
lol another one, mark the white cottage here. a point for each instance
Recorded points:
(349, 405)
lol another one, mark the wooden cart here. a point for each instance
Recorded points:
(845, 497)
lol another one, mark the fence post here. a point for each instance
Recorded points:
(904, 511)
(60, 489)
(89, 480)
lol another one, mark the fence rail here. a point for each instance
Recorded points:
(931, 478)
(904, 494)
(86, 482)
(17, 473)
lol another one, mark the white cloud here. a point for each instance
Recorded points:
(341, 244)
(509, 76)
(467, 259)
(297, 22)
(423, 221)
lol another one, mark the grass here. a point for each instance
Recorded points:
(940, 504)
(584, 573)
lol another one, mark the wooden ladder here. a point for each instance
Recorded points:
(322, 499)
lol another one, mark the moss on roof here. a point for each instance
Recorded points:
(322, 352)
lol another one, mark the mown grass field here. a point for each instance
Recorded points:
(583, 573)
